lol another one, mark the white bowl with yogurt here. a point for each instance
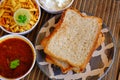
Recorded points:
(55, 6)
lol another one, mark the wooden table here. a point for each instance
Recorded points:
(108, 10)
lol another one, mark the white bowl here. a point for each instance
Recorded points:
(6, 37)
(28, 31)
(54, 11)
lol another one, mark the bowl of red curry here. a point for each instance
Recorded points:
(17, 57)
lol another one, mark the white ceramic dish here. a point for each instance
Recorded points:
(27, 31)
(54, 11)
(33, 50)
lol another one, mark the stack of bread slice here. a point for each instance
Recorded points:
(73, 41)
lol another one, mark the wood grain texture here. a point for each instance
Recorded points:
(108, 10)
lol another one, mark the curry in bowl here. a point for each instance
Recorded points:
(18, 16)
(17, 56)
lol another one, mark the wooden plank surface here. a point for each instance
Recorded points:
(108, 10)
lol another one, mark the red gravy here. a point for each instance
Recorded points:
(10, 50)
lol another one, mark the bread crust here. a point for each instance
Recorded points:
(56, 30)
(55, 62)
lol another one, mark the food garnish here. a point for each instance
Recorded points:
(22, 17)
(14, 64)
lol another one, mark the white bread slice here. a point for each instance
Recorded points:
(74, 38)
(64, 66)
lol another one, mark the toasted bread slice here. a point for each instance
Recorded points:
(74, 38)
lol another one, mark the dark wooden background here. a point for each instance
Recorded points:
(108, 10)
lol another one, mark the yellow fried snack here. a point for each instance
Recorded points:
(9, 7)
